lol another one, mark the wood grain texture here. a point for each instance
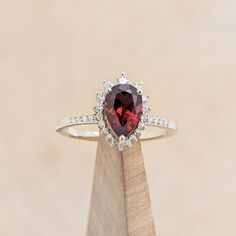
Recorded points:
(120, 203)
(138, 205)
(107, 213)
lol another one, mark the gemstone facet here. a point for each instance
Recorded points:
(123, 109)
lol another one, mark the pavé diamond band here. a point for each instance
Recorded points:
(122, 115)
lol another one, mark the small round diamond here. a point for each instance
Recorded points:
(145, 99)
(99, 116)
(100, 97)
(120, 147)
(128, 143)
(114, 142)
(144, 118)
(105, 131)
(137, 132)
(101, 124)
(122, 79)
(109, 137)
(84, 118)
(98, 108)
(153, 120)
(146, 109)
(133, 138)
(138, 85)
(141, 125)
(122, 139)
(107, 85)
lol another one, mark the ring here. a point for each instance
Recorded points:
(122, 116)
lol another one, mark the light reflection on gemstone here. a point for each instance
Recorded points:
(123, 108)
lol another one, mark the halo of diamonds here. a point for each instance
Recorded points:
(121, 142)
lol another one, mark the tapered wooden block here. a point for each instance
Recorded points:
(120, 204)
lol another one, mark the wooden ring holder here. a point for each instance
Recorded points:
(120, 203)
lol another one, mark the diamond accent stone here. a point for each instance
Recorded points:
(101, 124)
(164, 122)
(99, 116)
(114, 142)
(105, 131)
(128, 143)
(107, 86)
(137, 132)
(146, 109)
(145, 98)
(100, 97)
(120, 147)
(84, 118)
(144, 118)
(109, 137)
(122, 79)
(122, 139)
(138, 85)
(98, 108)
(133, 138)
(141, 125)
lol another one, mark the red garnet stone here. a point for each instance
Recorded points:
(123, 108)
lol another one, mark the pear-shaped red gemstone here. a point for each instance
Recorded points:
(123, 108)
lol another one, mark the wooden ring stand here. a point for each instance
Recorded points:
(120, 204)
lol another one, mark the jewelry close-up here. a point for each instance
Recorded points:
(122, 116)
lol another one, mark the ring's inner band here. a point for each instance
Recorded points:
(85, 132)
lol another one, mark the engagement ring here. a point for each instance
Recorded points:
(122, 116)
